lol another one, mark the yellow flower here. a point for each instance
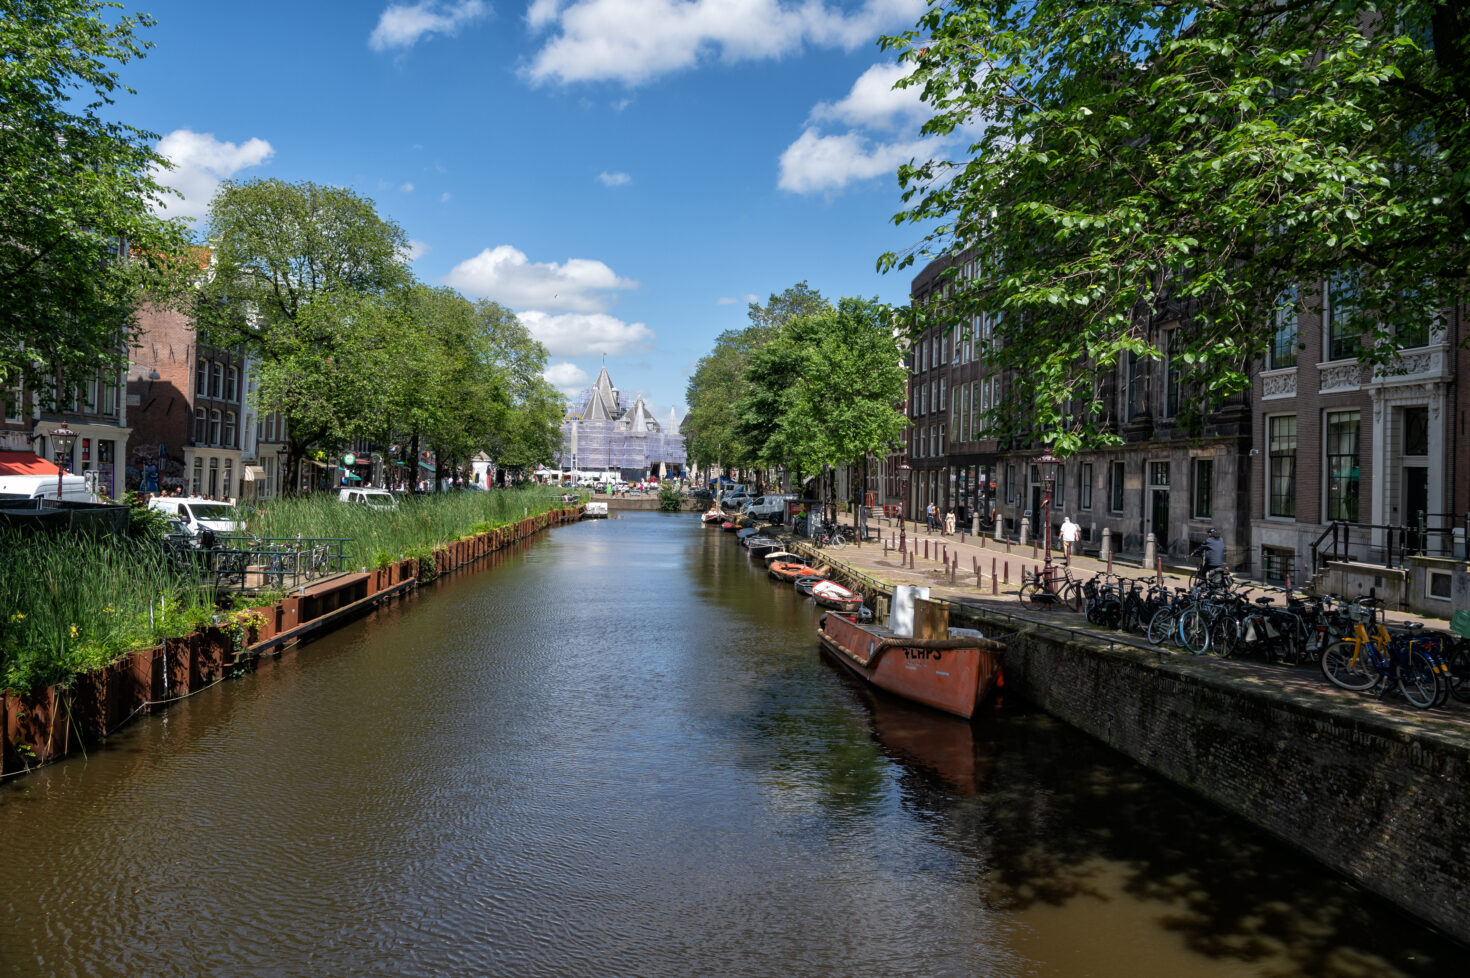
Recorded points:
(17, 616)
(73, 631)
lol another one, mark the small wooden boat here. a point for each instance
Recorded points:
(745, 534)
(712, 516)
(949, 674)
(776, 555)
(804, 584)
(830, 594)
(760, 546)
(783, 570)
(728, 527)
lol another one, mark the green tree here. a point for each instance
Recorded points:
(80, 244)
(1136, 164)
(303, 276)
(711, 427)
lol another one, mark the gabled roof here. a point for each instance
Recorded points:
(602, 403)
(639, 419)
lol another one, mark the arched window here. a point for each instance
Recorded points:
(217, 379)
(214, 419)
(233, 387)
(229, 441)
(201, 426)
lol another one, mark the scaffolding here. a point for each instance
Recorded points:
(599, 435)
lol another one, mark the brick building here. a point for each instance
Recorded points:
(95, 409)
(1162, 479)
(192, 409)
(1372, 449)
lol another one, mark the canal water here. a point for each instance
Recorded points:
(617, 751)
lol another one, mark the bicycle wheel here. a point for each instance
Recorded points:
(1459, 677)
(1028, 589)
(1194, 632)
(1419, 681)
(1161, 627)
(1132, 614)
(1347, 666)
(1224, 636)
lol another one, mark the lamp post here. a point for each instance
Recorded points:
(64, 439)
(903, 498)
(1048, 466)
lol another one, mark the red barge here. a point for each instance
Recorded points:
(950, 674)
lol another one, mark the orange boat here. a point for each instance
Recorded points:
(785, 570)
(950, 674)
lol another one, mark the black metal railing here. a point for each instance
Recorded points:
(1392, 544)
(255, 564)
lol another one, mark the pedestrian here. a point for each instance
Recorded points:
(931, 514)
(1070, 533)
(949, 522)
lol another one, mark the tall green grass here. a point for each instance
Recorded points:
(73, 603)
(376, 537)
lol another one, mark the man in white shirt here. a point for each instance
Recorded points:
(1070, 533)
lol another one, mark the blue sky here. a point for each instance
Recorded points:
(625, 174)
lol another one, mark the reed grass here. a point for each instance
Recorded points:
(377, 537)
(73, 603)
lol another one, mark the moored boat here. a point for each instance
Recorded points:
(950, 674)
(783, 570)
(760, 546)
(803, 585)
(830, 594)
(728, 527)
(745, 534)
(712, 516)
(775, 555)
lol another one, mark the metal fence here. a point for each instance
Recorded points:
(255, 564)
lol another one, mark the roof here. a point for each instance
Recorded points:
(25, 463)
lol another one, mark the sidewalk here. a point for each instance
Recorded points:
(999, 567)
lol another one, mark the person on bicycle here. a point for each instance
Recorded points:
(1211, 554)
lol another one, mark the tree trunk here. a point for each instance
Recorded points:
(413, 462)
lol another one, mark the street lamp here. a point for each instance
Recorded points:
(903, 498)
(64, 438)
(1048, 466)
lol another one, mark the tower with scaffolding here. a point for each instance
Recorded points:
(603, 440)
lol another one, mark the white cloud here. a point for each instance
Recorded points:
(816, 163)
(444, 197)
(635, 41)
(874, 103)
(613, 179)
(401, 26)
(407, 188)
(725, 300)
(582, 334)
(415, 250)
(566, 377)
(200, 163)
(504, 274)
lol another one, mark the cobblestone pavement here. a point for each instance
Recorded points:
(974, 586)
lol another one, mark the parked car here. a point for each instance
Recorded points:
(199, 515)
(767, 507)
(372, 498)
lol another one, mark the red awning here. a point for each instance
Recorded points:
(25, 463)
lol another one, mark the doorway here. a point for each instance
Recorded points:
(1416, 501)
(1159, 518)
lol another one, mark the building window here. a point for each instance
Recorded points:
(229, 479)
(1115, 483)
(1084, 486)
(1204, 488)
(1158, 474)
(197, 485)
(1010, 483)
(1344, 341)
(216, 379)
(1416, 430)
(229, 439)
(201, 379)
(201, 426)
(232, 385)
(109, 399)
(1284, 341)
(1171, 376)
(1342, 466)
(1276, 564)
(943, 393)
(1132, 388)
(214, 477)
(1059, 494)
(214, 425)
(1281, 466)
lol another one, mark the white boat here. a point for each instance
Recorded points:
(595, 511)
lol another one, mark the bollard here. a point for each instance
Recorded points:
(946, 553)
(1160, 570)
(1106, 554)
(962, 536)
(1150, 549)
(1110, 564)
(1006, 570)
(1008, 544)
(1025, 530)
(1288, 582)
(994, 581)
(926, 549)
(1033, 548)
(974, 563)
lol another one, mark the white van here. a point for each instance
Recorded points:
(73, 487)
(371, 498)
(199, 515)
(767, 506)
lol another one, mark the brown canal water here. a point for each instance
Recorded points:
(618, 752)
